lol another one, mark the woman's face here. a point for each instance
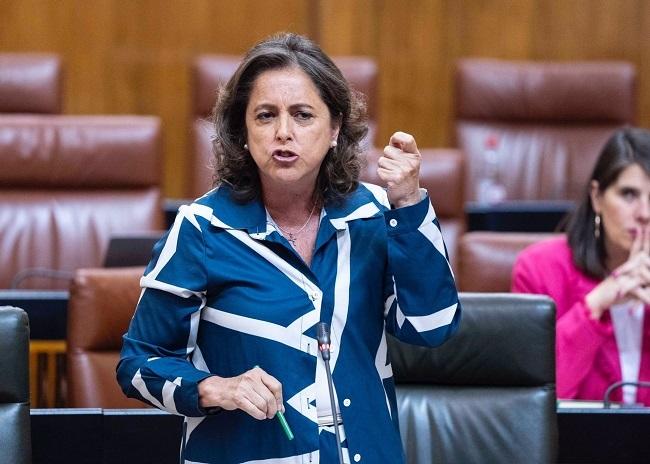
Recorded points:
(624, 207)
(289, 129)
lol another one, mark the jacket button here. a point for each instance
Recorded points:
(346, 402)
(393, 222)
(357, 457)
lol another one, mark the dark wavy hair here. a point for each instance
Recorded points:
(624, 148)
(340, 170)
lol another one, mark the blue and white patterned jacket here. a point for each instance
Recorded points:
(225, 292)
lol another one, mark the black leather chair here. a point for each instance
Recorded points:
(488, 394)
(15, 433)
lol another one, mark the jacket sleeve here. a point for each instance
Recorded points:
(421, 300)
(579, 344)
(155, 363)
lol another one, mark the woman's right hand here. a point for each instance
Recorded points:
(254, 392)
(631, 280)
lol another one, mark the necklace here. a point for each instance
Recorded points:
(293, 236)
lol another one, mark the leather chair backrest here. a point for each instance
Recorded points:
(441, 173)
(30, 83)
(15, 432)
(487, 394)
(102, 302)
(485, 259)
(209, 72)
(550, 120)
(67, 184)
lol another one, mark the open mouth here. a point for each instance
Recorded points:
(284, 156)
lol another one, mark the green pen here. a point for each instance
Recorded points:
(285, 426)
(283, 423)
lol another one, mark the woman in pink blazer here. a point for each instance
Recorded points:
(599, 276)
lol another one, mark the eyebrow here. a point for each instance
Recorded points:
(292, 107)
(629, 188)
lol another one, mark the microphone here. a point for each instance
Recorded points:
(619, 384)
(323, 337)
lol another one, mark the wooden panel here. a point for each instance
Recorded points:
(587, 30)
(643, 63)
(347, 28)
(412, 70)
(491, 28)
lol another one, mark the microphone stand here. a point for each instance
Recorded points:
(615, 385)
(323, 337)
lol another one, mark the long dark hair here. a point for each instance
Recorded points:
(624, 148)
(339, 172)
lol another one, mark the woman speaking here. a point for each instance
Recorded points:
(225, 329)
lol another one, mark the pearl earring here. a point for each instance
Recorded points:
(333, 144)
(246, 146)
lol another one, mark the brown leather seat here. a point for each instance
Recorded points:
(211, 71)
(30, 83)
(441, 173)
(67, 184)
(550, 120)
(485, 259)
(102, 302)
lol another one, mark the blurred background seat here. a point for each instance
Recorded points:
(487, 394)
(101, 305)
(15, 432)
(548, 121)
(30, 83)
(69, 183)
(209, 72)
(485, 259)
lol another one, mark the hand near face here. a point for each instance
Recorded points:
(631, 280)
(399, 168)
(255, 392)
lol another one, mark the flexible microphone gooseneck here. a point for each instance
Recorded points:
(615, 385)
(323, 337)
